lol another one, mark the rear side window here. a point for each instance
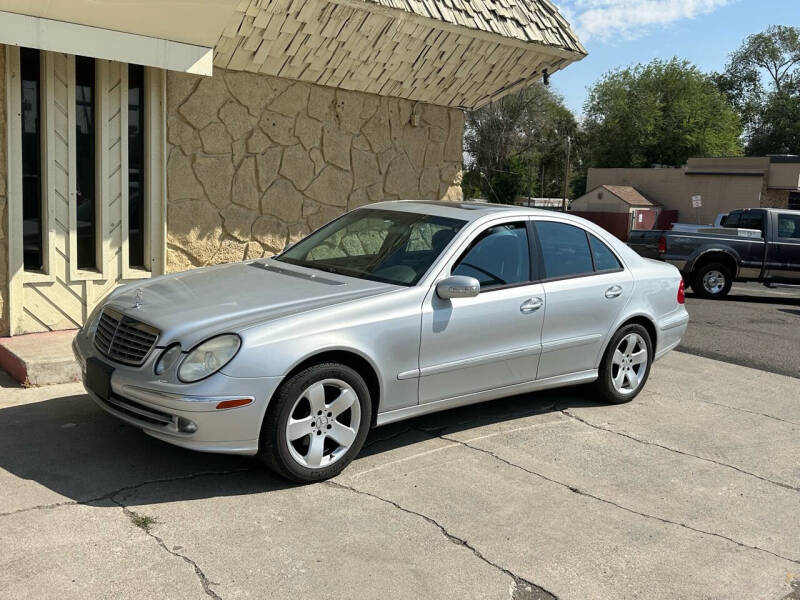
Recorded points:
(752, 220)
(732, 220)
(565, 250)
(604, 258)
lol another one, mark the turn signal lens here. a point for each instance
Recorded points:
(234, 403)
(681, 293)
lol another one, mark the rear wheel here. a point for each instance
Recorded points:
(626, 364)
(316, 423)
(712, 281)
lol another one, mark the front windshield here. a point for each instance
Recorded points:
(381, 245)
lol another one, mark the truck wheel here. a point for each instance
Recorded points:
(712, 281)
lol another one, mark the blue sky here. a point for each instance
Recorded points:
(618, 33)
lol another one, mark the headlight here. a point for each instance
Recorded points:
(209, 357)
(168, 358)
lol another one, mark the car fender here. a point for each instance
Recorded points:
(707, 249)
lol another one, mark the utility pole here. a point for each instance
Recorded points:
(530, 180)
(566, 172)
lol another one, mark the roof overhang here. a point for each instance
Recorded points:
(463, 56)
(170, 34)
(363, 45)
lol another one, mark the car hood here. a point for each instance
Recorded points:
(192, 305)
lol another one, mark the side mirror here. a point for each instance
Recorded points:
(458, 286)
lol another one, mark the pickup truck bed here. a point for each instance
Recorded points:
(765, 249)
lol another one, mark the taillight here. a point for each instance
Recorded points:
(681, 293)
(662, 245)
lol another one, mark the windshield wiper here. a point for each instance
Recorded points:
(323, 267)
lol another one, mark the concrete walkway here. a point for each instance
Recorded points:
(691, 491)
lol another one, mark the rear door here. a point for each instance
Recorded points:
(783, 253)
(751, 251)
(586, 287)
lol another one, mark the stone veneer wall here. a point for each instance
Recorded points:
(3, 199)
(773, 198)
(255, 162)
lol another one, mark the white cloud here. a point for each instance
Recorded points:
(604, 19)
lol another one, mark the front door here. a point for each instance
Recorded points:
(783, 252)
(85, 183)
(586, 288)
(492, 340)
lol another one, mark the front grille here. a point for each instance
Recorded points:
(123, 338)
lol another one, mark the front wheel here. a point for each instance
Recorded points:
(625, 365)
(316, 423)
(712, 281)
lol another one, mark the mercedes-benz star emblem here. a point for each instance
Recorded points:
(138, 299)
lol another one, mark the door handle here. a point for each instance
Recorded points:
(531, 304)
(613, 291)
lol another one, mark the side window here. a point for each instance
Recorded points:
(498, 257)
(565, 250)
(752, 220)
(789, 226)
(604, 258)
(732, 220)
(30, 75)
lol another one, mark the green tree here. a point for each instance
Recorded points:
(517, 145)
(762, 82)
(662, 112)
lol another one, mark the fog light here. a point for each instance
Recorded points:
(186, 426)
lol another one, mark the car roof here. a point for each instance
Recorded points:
(466, 211)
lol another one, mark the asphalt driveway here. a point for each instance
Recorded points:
(754, 326)
(691, 491)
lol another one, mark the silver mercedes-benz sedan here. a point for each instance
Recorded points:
(391, 311)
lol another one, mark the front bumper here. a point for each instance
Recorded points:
(162, 409)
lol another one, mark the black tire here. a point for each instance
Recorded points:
(700, 288)
(604, 384)
(273, 446)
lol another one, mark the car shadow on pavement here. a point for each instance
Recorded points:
(73, 448)
(785, 300)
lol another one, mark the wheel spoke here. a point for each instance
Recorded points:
(342, 403)
(640, 357)
(315, 450)
(618, 357)
(633, 379)
(316, 397)
(342, 434)
(298, 428)
(630, 344)
(619, 379)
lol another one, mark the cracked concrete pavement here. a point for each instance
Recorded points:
(690, 491)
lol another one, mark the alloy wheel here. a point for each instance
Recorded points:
(713, 282)
(629, 364)
(323, 423)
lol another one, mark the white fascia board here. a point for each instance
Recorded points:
(82, 40)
